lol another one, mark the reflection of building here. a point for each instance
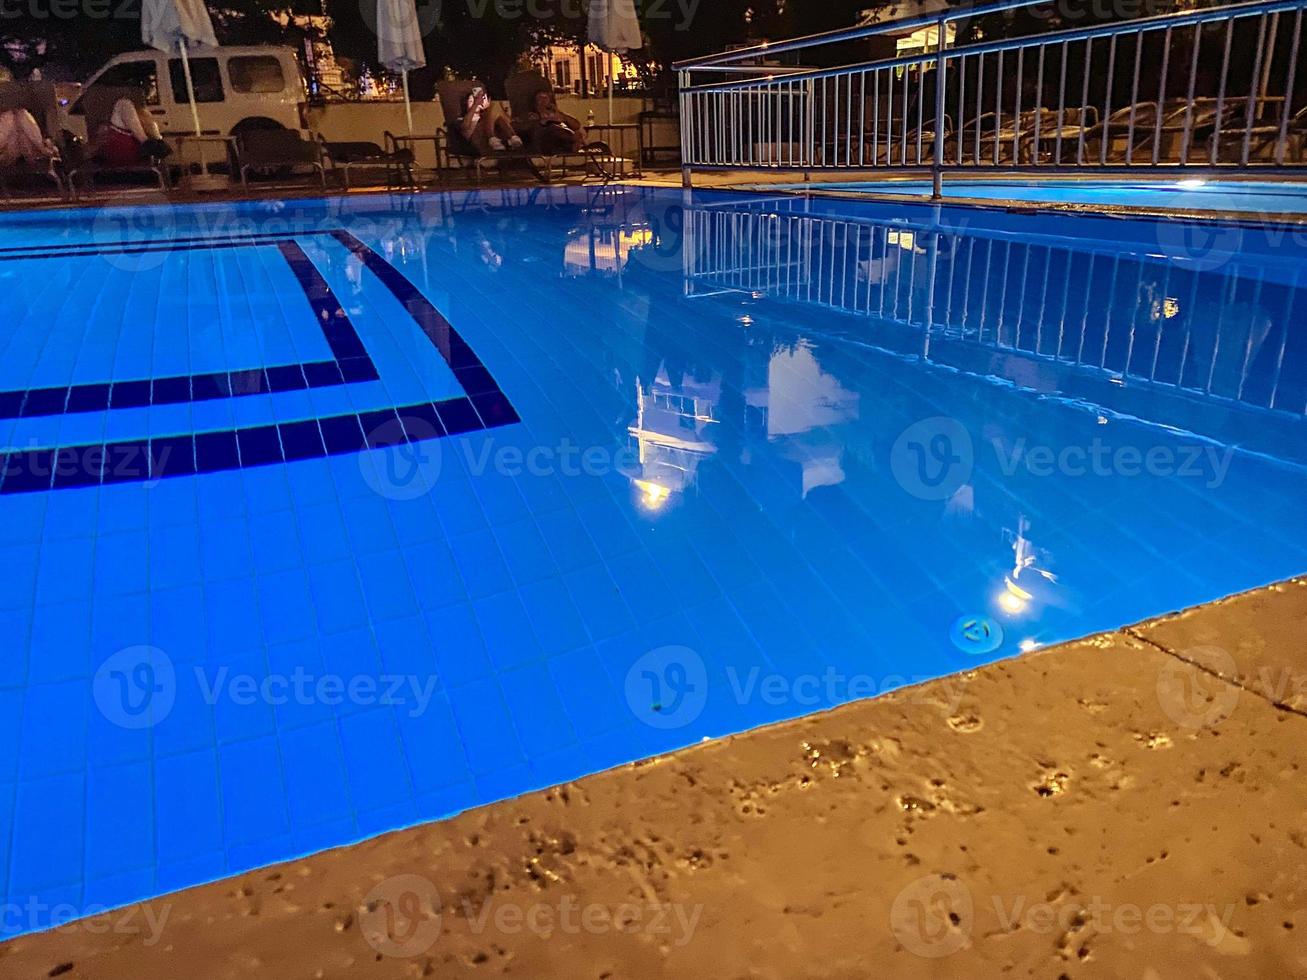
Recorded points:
(674, 430)
(603, 249)
(800, 403)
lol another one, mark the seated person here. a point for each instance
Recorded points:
(485, 125)
(554, 131)
(21, 138)
(129, 138)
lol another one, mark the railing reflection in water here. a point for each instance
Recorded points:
(1212, 326)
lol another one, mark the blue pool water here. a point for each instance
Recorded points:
(319, 519)
(1259, 197)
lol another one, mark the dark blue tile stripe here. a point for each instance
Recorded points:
(453, 348)
(137, 461)
(351, 361)
(191, 243)
(484, 406)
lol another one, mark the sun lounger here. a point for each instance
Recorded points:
(38, 98)
(278, 151)
(397, 163)
(97, 104)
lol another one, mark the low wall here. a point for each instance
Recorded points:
(370, 120)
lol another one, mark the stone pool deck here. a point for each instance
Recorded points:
(1133, 804)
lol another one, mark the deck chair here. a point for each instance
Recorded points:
(453, 97)
(278, 150)
(344, 156)
(39, 99)
(522, 89)
(98, 103)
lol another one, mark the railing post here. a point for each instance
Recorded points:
(687, 150)
(937, 159)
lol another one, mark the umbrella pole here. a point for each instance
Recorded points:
(408, 106)
(190, 86)
(612, 83)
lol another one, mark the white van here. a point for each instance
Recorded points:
(236, 89)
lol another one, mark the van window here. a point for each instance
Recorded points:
(204, 76)
(259, 74)
(141, 75)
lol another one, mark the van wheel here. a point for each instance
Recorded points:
(253, 124)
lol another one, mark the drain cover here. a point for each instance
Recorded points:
(976, 634)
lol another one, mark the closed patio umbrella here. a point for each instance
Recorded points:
(176, 25)
(614, 27)
(399, 43)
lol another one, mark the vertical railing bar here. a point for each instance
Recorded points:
(1016, 112)
(962, 119)
(1061, 108)
(980, 87)
(1084, 102)
(862, 118)
(1107, 100)
(848, 127)
(1134, 99)
(1251, 112)
(1220, 92)
(1187, 134)
(921, 105)
(875, 118)
(998, 107)
(903, 129)
(1161, 97)
(1281, 143)
(1039, 103)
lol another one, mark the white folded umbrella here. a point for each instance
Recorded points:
(399, 43)
(176, 25)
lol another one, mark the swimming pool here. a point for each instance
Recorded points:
(1264, 198)
(322, 518)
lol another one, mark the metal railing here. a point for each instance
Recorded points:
(1208, 333)
(1220, 87)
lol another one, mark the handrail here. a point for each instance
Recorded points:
(1174, 19)
(852, 33)
(1053, 101)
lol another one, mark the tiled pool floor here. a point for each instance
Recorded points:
(663, 472)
